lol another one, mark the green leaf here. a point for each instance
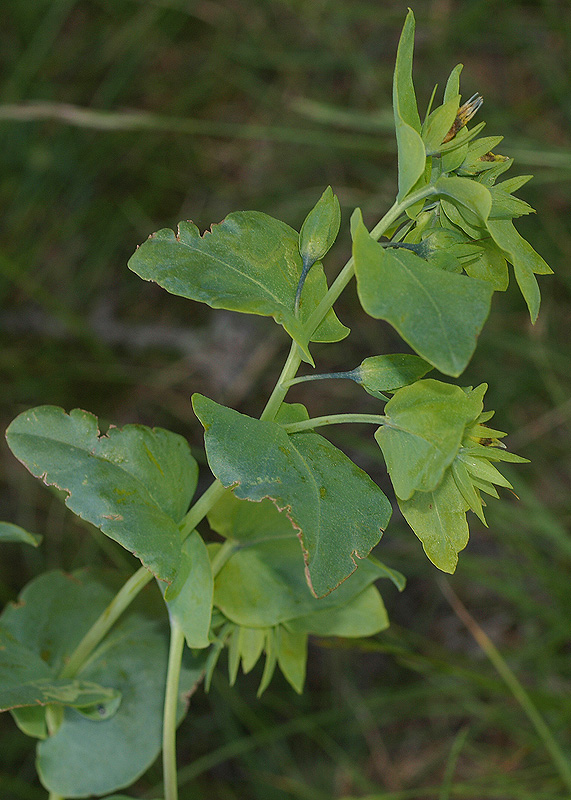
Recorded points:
(453, 83)
(250, 262)
(439, 314)
(389, 372)
(291, 652)
(467, 489)
(31, 720)
(270, 663)
(452, 159)
(439, 520)
(26, 680)
(475, 161)
(53, 614)
(439, 123)
(263, 584)
(404, 96)
(488, 264)
(469, 194)
(134, 483)
(364, 615)
(320, 228)
(525, 261)
(458, 215)
(481, 469)
(411, 152)
(424, 431)
(338, 510)
(189, 597)
(237, 519)
(13, 533)
(505, 205)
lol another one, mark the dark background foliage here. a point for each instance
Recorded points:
(146, 113)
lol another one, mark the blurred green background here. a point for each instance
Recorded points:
(118, 118)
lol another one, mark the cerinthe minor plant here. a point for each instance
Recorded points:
(293, 518)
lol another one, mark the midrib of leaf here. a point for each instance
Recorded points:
(245, 275)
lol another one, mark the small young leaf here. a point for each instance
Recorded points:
(251, 647)
(481, 469)
(439, 123)
(439, 314)
(338, 510)
(472, 196)
(291, 652)
(488, 264)
(320, 228)
(525, 261)
(13, 533)
(453, 83)
(467, 490)
(411, 152)
(506, 206)
(439, 520)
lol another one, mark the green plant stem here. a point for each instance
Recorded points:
(223, 554)
(336, 419)
(103, 624)
(349, 375)
(276, 398)
(54, 796)
(562, 764)
(202, 506)
(169, 717)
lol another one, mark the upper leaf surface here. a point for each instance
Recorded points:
(250, 262)
(439, 314)
(135, 484)
(338, 510)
